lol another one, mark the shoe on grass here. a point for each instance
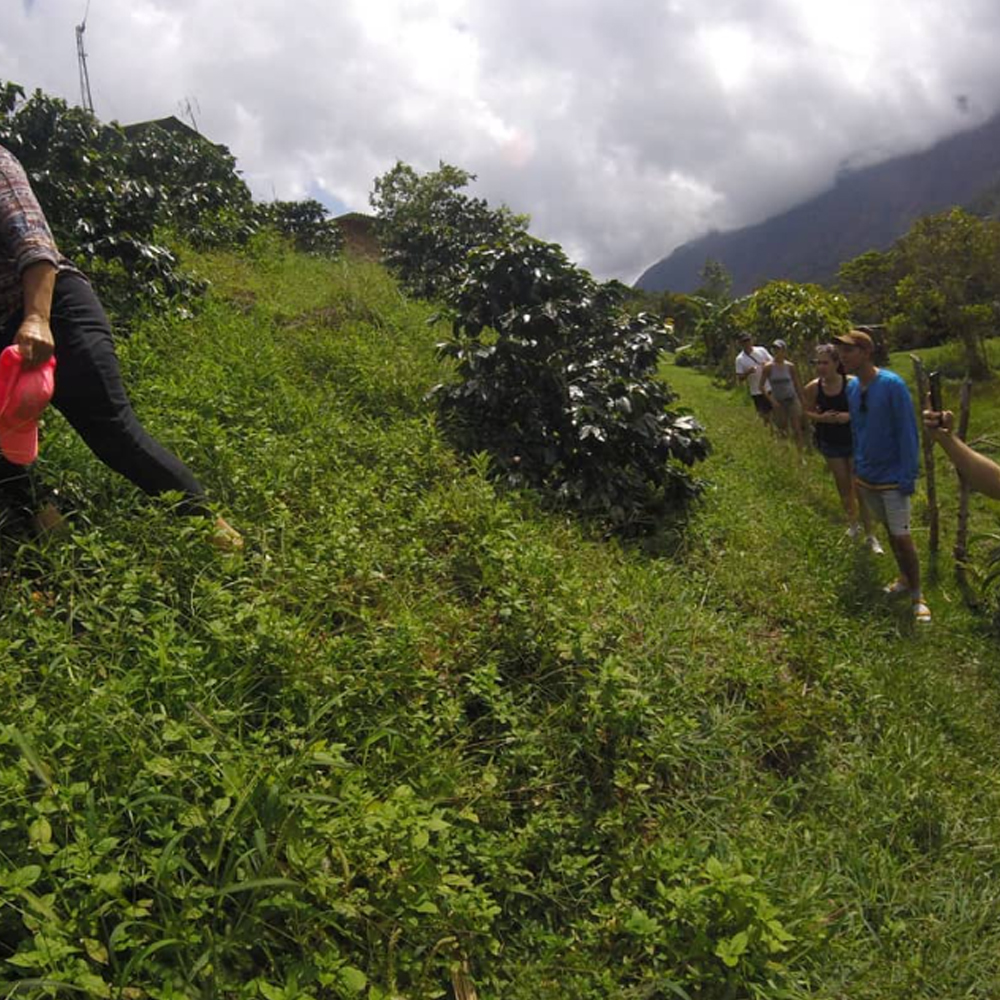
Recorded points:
(921, 613)
(854, 532)
(896, 587)
(225, 537)
(50, 521)
(874, 545)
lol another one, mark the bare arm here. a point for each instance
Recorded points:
(34, 336)
(796, 382)
(809, 396)
(980, 473)
(765, 385)
(26, 240)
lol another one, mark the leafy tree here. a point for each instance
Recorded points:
(939, 282)
(109, 197)
(869, 282)
(949, 284)
(716, 325)
(716, 283)
(427, 226)
(678, 311)
(306, 224)
(106, 194)
(558, 383)
(709, 318)
(800, 314)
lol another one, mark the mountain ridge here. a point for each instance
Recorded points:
(866, 209)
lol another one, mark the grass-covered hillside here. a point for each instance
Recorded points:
(426, 739)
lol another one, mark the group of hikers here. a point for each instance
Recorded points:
(865, 427)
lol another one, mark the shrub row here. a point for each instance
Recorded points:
(110, 197)
(556, 381)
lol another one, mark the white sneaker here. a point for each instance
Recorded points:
(875, 545)
(854, 532)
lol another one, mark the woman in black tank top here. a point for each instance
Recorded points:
(826, 409)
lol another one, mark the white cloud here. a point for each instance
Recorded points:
(621, 129)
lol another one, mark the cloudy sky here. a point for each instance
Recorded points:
(623, 128)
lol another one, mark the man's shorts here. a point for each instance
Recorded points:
(762, 403)
(891, 507)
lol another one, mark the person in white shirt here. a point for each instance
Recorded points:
(749, 368)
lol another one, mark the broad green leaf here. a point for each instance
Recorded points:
(354, 980)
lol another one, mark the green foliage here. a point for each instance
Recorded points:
(677, 310)
(423, 725)
(716, 283)
(716, 327)
(306, 224)
(801, 315)
(707, 322)
(427, 226)
(556, 381)
(112, 200)
(949, 284)
(106, 196)
(940, 282)
(557, 384)
(869, 282)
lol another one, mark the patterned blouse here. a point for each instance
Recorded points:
(25, 238)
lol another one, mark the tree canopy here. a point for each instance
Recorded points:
(110, 197)
(557, 382)
(939, 282)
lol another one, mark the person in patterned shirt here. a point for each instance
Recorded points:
(47, 306)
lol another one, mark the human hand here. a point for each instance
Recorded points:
(34, 340)
(937, 422)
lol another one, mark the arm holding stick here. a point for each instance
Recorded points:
(980, 473)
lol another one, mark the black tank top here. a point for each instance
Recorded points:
(833, 434)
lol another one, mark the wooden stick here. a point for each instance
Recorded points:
(962, 532)
(933, 514)
(462, 984)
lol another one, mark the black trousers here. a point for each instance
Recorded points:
(90, 394)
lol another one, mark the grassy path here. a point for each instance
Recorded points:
(911, 773)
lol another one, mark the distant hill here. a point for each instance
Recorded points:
(865, 210)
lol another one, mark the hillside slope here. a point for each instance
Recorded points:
(425, 734)
(865, 210)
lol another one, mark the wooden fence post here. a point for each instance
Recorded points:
(962, 532)
(933, 516)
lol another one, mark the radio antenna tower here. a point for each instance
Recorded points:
(185, 107)
(85, 99)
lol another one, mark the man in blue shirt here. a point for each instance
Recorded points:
(886, 455)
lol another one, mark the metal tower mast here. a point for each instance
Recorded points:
(85, 99)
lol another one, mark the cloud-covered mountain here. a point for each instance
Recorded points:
(866, 209)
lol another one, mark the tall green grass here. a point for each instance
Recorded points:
(422, 723)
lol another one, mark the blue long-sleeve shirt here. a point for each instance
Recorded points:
(884, 429)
